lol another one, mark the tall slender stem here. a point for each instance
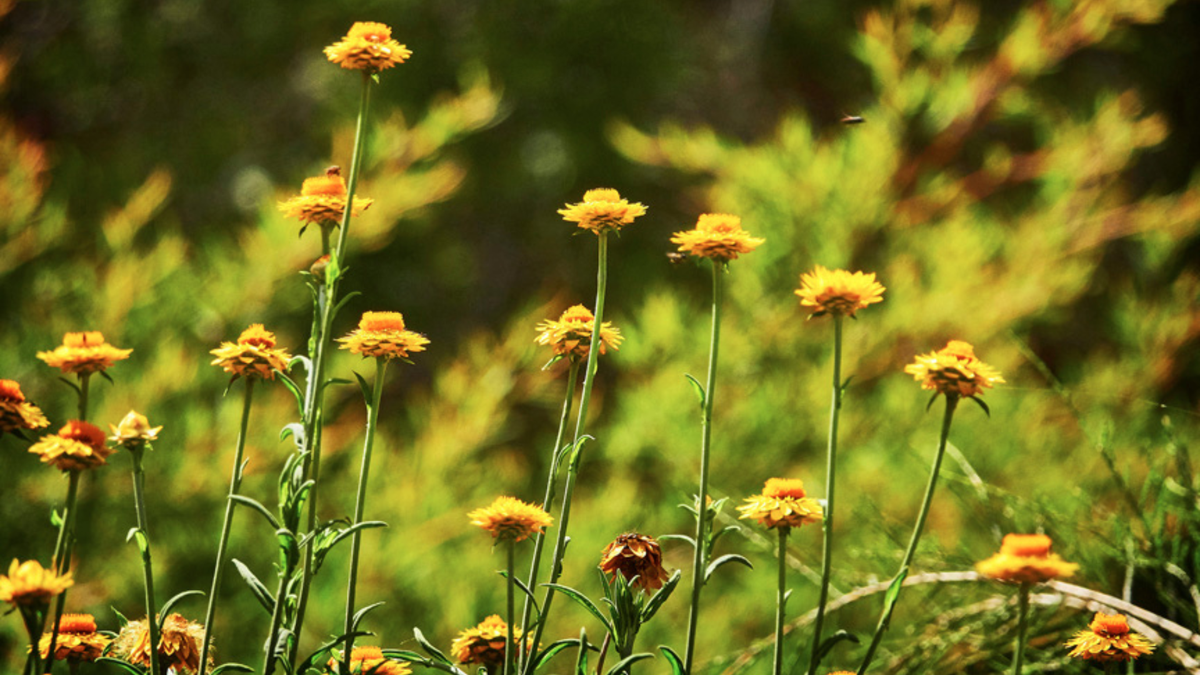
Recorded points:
(1022, 626)
(898, 580)
(781, 600)
(539, 541)
(360, 503)
(235, 483)
(63, 546)
(560, 544)
(701, 553)
(84, 380)
(509, 645)
(139, 498)
(830, 471)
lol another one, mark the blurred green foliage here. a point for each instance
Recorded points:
(1024, 180)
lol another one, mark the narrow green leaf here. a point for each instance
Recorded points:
(429, 648)
(358, 616)
(257, 506)
(628, 661)
(831, 641)
(320, 653)
(367, 394)
(342, 303)
(931, 400)
(120, 617)
(696, 387)
(170, 604)
(893, 591)
(673, 659)
(233, 668)
(656, 601)
(687, 539)
(295, 430)
(723, 531)
(55, 520)
(724, 560)
(302, 360)
(256, 587)
(107, 377)
(127, 667)
(294, 388)
(551, 362)
(586, 603)
(71, 385)
(553, 650)
(983, 405)
(581, 663)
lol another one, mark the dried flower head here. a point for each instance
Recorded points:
(17, 413)
(383, 335)
(718, 236)
(782, 503)
(322, 200)
(370, 661)
(178, 646)
(954, 371)
(134, 431)
(510, 519)
(368, 46)
(77, 639)
(253, 355)
(84, 353)
(30, 584)
(484, 645)
(1108, 639)
(76, 447)
(635, 555)
(1025, 558)
(838, 292)
(571, 335)
(602, 211)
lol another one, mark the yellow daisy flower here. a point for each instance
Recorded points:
(1108, 639)
(253, 355)
(1025, 558)
(370, 660)
(76, 447)
(838, 292)
(602, 210)
(17, 413)
(782, 504)
(28, 583)
(382, 335)
(77, 639)
(571, 335)
(484, 645)
(322, 200)
(134, 431)
(84, 353)
(718, 236)
(368, 46)
(178, 646)
(635, 555)
(954, 371)
(509, 518)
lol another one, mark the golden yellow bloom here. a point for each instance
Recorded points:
(1025, 558)
(254, 354)
(509, 518)
(782, 504)
(838, 292)
(368, 46)
(1108, 639)
(382, 335)
(601, 211)
(84, 353)
(571, 335)
(484, 644)
(635, 555)
(77, 639)
(77, 446)
(718, 236)
(372, 661)
(178, 646)
(322, 200)
(17, 413)
(134, 431)
(29, 583)
(954, 371)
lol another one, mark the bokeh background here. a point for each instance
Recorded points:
(1024, 180)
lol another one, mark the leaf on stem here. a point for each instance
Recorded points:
(687, 539)
(107, 377)
(170, 604)
(656, 601)
(292, 387)
(586, 603)
(342, 303)
(233, 668)
(831, 641)
(367, 394)
(696, 387)
(71, 385)
(143, 543)
(429, 648)
(257, 506)
(628, 661)
(983, 405)
(127, 667)
(724, 560)
(673, 659)
(581, 663)
(358, 616)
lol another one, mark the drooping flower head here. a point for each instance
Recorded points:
(635, 555)
(84, 353)
(1025, 558)
(954, 370)
(368, 46)
(782, 503)
(77, 639)
(76, 447)
(718, 236)
(484, 645)
(322, 200)
(838, 292)
(134, 431)
(17, 413)
(510, 519)
(383, 335)
(253, 355)
(370, 661)
(601, 211)
(571, 335)
(178, 646)
(30, 584)
(1108, 639)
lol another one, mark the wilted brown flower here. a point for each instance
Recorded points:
(635, 555)
(484, 645)
(178, 646)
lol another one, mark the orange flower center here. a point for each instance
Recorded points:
(88, 434)
(91, 338)
(959, 350)
(366, 654)
(258, 336)
(602, 195)
(1026, 545)
(331, 185)
(780, 488)
(370, 31)
(11, 391)
(376, 322)
(1113, 624)
(77, 624)
(578, 313)
(721, 223)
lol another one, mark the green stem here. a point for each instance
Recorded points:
(360, 504)
(64, 544)
(701, 553)
(539, 541)
(314, 394)
(830, 471)
(84, 379)
(560, 544)
(1022, 625)
(781, 600)
(897, 583)
(139, 498)
(235, 483)
(509, 645)
(34, 619)
(276, 621)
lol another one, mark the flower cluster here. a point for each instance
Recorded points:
(954, 371)
(484, 645)
(76, 447)
(383, 335)
(370, 660)
(1025, 558)
(253, 355)
(571, 335)
(838, 292)
(782, 504)
(602, 210)
(510, 519)
(1108, 639)
(717, 236)
(84, 353)
(78, 640)
(17, 413)
(322, 200)
(367, 46)
(178, 646)
(28, 583)
(635, 556)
